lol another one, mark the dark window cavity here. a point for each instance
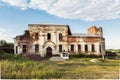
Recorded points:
(60, 36)
(48, 36)
(93, 48)
(72, 48)
(36, 36)
(60, 48)
(36, 48)
(24, 49)
(100, 48)
(79, 48)
(86, 48)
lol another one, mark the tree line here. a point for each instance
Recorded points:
(6, 46)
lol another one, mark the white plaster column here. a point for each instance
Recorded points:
(76, 48)
(33, 48)
(90, 48)
(15, 49)
(19, 49)
(39, 49)
(57, 48)
(82, 47)
(97, 48)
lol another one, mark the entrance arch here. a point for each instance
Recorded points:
(49, 51)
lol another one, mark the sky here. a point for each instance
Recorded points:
(15, 15)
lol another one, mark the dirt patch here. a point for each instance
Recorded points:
(56, 59)
(94, 60)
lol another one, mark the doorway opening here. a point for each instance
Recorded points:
(49, 51)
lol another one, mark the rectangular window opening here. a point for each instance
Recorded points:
(60, 48)
(79, 48)
(100, 48)
(36, 48)
(93, 48)
(48, 36)
(24, 49)
(86, 48)
(36, 36)
(72, 48)
(60, 36)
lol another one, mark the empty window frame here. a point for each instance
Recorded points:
(48, 36)
(36, 36)
(72, 48)
(79, 48)
(60, 48)
(60, 36)
(86, 48)
(36, 48)
(100, 48)
(93, 48)
(24, 49)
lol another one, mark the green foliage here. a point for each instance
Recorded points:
(113, 50)
(26, 33)
(112, 55)
(2, 42)
(19, 67)
(81, 68)
(6, 47)
(11, 57)
(84, 56)
(27, 70)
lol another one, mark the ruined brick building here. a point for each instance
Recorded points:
(48, 40)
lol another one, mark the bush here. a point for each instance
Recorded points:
(93, 56)
(6, 47)
(110, 55)
(77, 56)
(12, 57)
(84, 56)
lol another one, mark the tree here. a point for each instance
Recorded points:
(2, 42)
(26, 33)
(6, 47)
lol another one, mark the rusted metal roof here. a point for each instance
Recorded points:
(84, 35)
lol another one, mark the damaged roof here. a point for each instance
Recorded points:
(84, 35)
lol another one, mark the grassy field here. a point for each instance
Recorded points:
(17, 66)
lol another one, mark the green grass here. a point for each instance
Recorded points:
(19, 67)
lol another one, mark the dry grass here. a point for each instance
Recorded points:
(74, 68)
(83, 69)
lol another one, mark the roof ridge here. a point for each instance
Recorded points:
(50, 24)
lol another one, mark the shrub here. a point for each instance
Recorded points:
(77, 56)
(8, 56)
(110, 55)
(84, 56)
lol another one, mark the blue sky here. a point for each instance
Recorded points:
(15, 15)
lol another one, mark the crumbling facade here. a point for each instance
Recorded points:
(48, 40)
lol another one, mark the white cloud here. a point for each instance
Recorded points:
(17, 3)
(41, 4)
(88, 10)
(6, 35)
